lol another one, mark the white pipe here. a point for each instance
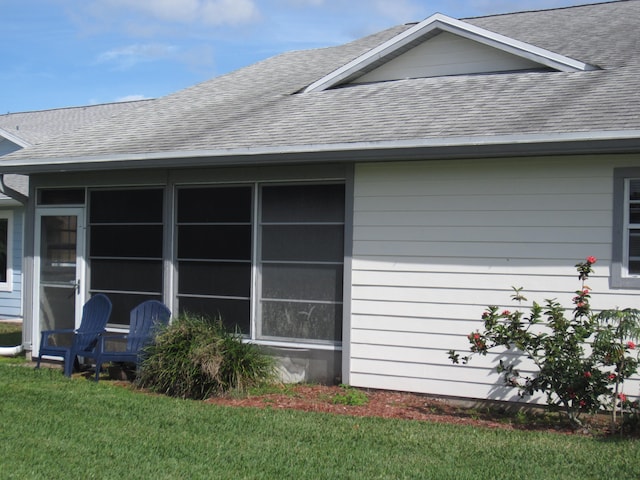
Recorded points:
(10, 351)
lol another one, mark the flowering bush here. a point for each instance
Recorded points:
(581, 361)
(614, 353)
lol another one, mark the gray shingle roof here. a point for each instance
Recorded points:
(259, 107)
(39, 126)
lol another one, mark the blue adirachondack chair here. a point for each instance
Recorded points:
(144, 320)
(70, 343)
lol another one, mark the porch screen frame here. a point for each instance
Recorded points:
(256, 277)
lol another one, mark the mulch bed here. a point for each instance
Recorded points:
(406, 406)
(410, 406)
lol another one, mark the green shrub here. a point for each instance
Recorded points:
(196, 357)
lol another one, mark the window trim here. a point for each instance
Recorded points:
(8, 285)
(620, 240)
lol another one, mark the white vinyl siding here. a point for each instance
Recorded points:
(437, 242)
(447, 54)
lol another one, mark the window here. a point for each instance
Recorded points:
(6, 232)
(61, 196)
(271, 268)
(214, 232)
(626, 233)
(301, 262)
(126, 235)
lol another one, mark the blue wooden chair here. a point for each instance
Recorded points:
(144, 320)
(70, 343)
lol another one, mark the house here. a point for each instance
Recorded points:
(354, 209)
(18, 131)
(14, 188)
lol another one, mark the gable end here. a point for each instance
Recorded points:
(390, 60)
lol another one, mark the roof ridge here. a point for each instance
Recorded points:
(545, 9)
(76, 107)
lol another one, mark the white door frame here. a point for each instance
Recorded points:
(79, 212)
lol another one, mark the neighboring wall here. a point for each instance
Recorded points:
(11, 300)
(7, 147)
(436, 242)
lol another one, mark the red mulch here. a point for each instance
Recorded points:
(408, 406)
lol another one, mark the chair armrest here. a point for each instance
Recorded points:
(45, 334)
(90, 333)
(100, 347)
(59, 330)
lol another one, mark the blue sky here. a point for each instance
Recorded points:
(60, 53)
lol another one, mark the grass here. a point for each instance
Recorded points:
(10, 334)
(54, 428)
(350, 396)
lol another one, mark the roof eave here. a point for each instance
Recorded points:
(577, 143)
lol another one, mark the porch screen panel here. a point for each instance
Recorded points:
(214, 230)
(125, 247)
(301, 264)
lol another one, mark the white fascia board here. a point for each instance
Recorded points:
(14, 138)
(444, 23)
(251, 155)
(515, 47)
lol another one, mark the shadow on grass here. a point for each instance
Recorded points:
(10, 334)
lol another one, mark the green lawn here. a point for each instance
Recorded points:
(10, 334)
(57, 428)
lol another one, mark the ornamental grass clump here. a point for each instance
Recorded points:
(581, 359)
(197, 357)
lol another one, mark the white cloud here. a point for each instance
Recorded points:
(304, 3)
(229, 12)
(131, 55)
(132, 98)
(208, 12)
(400, 10)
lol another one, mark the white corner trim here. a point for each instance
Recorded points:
(444, 23)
